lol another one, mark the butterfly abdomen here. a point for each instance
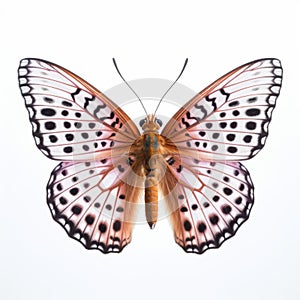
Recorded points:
(151, 197)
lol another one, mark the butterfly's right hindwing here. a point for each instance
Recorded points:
(95, 202)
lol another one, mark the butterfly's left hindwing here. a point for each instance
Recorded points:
(71, 120)
(208, 201)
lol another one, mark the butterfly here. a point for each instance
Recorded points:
(106, 164)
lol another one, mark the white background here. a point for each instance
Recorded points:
(149, 39)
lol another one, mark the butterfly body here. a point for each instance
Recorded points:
(193, 164)
(147, 152)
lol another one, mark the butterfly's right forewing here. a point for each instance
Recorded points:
(71, 120)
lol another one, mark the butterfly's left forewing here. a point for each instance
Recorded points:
(229, 119)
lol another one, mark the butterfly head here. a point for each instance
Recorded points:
(150, 123)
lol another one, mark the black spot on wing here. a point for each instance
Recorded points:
(112, 115)
(49, 112)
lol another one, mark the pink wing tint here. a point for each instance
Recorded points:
(208, 203)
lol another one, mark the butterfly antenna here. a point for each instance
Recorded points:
(185, 63)
(114, 61)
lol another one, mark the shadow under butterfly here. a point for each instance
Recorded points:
(107, 164)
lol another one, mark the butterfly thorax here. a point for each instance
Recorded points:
(150, 144)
